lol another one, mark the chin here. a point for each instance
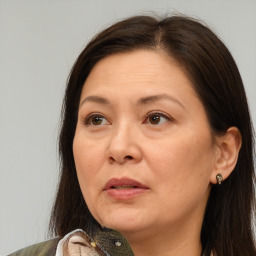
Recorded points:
(122, 220)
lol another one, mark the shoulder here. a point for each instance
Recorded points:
(47, 248)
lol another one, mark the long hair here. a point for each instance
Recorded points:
(227, 226)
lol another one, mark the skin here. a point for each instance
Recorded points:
(165, 143)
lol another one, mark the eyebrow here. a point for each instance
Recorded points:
(96, 99)
(142, 101)
(155, 98)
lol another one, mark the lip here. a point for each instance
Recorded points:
(124, 188)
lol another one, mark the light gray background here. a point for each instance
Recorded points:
(39, 42)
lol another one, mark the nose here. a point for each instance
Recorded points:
(124, 146)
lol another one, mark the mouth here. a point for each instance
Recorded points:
(124, 183)
(124, 188)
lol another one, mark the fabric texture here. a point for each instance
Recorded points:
(104, 242)
(47, 248)
(78, 243)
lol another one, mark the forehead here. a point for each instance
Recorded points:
(137, 70)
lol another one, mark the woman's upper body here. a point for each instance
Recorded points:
(156, 143)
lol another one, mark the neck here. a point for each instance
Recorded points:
(163, 245)
(182, 239)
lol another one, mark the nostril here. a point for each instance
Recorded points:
(121, 159)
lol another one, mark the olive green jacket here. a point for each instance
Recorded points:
(47, 248)
(106, 243)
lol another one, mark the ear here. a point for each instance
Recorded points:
(228, 147)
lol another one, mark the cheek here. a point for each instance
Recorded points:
(88, 158)
(183, 160)
(182, 167)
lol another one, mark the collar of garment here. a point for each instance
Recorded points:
(79, 243)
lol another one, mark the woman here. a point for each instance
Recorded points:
(156, 143)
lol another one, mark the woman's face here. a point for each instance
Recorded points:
(143, 148)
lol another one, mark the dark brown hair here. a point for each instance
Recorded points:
(227, 226)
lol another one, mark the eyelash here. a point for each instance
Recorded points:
(161, 114)
(88, 119)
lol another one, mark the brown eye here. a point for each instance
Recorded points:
(157, 118)
(154, 119)
(96, 120)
